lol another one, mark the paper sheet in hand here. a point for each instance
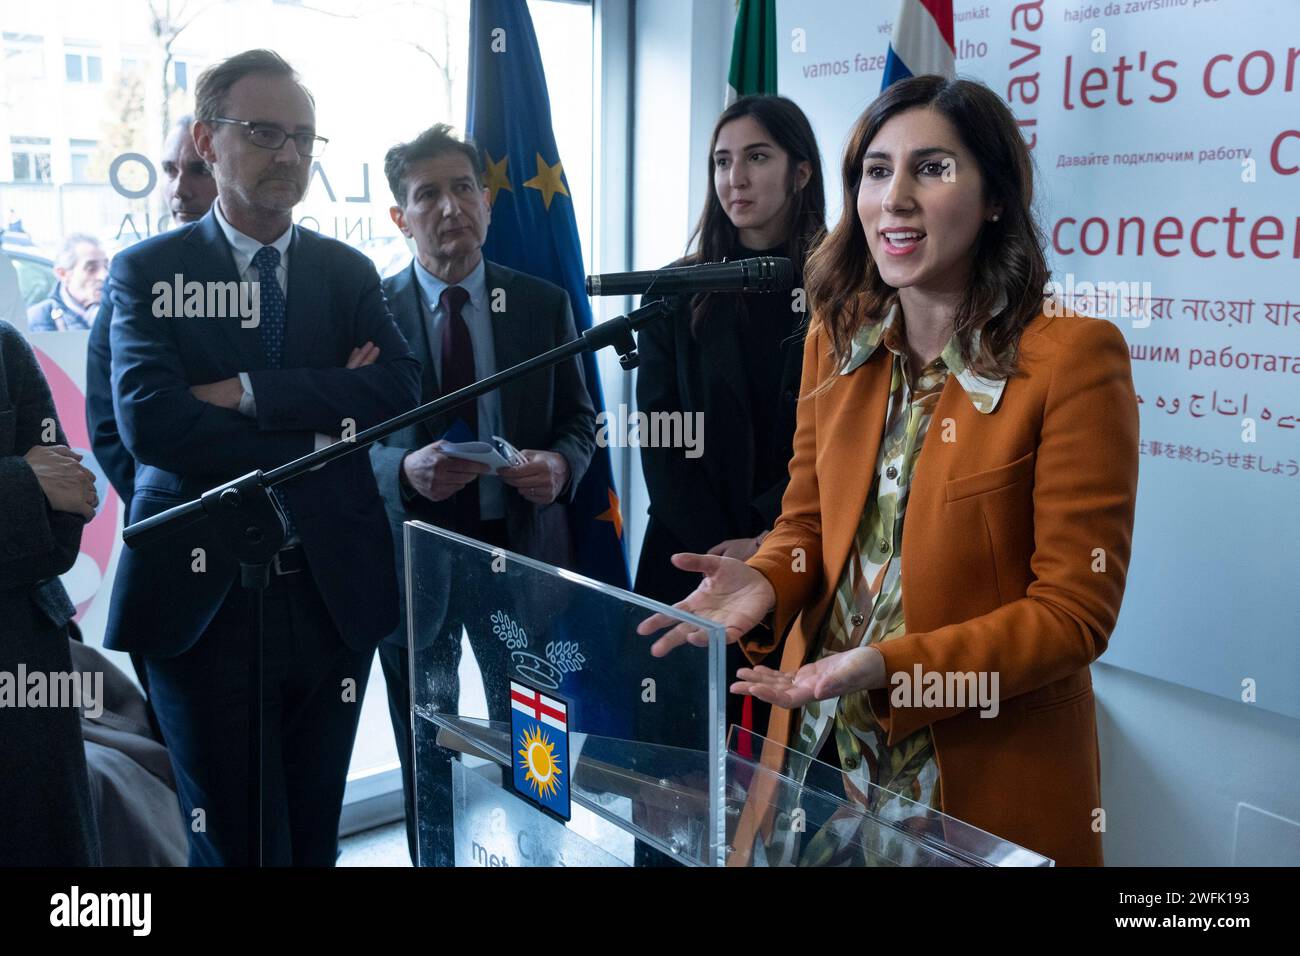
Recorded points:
(488, 453)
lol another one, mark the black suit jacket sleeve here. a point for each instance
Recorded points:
(105, 440)
(36, 542)
(679, 487)
(325, 399)
(574, 434)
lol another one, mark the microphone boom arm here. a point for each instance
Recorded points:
(245, 493)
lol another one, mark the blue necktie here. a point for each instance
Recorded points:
(271, 326)
(271, 299)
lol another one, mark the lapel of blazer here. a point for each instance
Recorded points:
(206, 256)
(511, 340)
(308, 305)
(408, 312)
(848, 440)
(923, 529)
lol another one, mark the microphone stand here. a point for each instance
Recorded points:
(250, 525)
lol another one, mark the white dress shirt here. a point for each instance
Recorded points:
(478, 319)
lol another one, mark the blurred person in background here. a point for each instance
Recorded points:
(81, 268)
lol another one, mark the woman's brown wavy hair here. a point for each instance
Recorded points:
(844, 286)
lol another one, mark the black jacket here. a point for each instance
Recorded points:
(695, 503)
(46, 818)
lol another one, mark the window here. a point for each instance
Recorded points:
(363, 64)
(31, 159)
(83, 68)
(24, 58)
(82, 153)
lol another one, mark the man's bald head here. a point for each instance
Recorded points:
(188, 187)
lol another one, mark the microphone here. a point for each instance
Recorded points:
(761, 274)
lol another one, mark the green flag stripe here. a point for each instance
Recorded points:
(753, 48)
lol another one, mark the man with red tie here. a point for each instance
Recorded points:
(467, 318)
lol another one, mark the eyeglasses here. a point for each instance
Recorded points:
(272, 137)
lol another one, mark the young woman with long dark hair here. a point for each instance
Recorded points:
(731, 363)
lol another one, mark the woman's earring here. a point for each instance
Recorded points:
(995, 217)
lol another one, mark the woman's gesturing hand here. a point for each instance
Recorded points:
(862, 668)
(732, 593)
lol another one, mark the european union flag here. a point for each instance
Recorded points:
(539, 747)
(534, 229)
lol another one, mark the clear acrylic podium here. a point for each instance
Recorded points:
(652, 780)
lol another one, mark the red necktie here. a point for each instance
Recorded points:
(457, 373)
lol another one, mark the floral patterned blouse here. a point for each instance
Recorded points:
(868, 604)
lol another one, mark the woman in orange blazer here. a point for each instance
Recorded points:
(961, 496)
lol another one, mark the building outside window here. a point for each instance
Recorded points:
(31, 159)
(82, 155)
(24, 56)
(84, 67)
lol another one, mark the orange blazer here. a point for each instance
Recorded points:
(1015, 550)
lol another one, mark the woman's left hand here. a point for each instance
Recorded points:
(859, 669)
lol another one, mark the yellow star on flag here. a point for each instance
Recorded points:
(613, 515)
(497, 178)
(548, 181)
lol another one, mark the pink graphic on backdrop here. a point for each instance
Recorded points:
(98, 538)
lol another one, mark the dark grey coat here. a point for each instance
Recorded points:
(45, 809)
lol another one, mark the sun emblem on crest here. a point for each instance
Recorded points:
(537, 758)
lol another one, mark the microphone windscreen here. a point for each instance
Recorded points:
(782, 275)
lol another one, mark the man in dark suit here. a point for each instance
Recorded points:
(46, 498)
(188, 191)
(468, 318)
(203, 399)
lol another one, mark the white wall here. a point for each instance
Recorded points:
(681, 51)
(1175, 765)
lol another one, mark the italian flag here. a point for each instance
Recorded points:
(753, 50)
